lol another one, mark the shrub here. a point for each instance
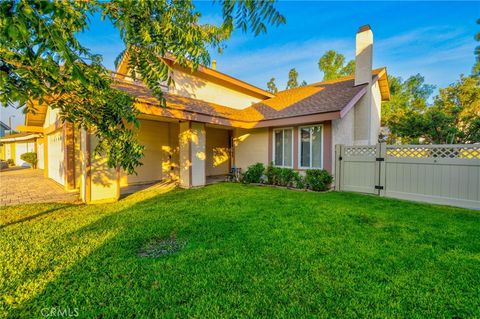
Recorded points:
(10, 162)
(30, 158)
(286, 177)
(318, 179)
(253, 174)
(299, 180)
(273, 174)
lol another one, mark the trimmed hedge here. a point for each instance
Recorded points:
(253, 174)
(314, 179)
(30, 158)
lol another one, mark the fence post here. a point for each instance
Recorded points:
(382, 147)
(338, 163)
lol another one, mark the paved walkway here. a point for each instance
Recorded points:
(28, 186)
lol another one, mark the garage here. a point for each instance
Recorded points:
(40, 154)
(22, 148)
(56, 157)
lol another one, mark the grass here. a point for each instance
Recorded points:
(250, 252)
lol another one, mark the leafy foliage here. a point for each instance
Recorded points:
(332, 64)
(42, 61)
(407, 97)
(318, 179)
(253, 174)
(30, 158)
(292, 79)
(271, 86)
(453, 118)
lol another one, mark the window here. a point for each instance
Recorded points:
(310, 154)
(283, 147)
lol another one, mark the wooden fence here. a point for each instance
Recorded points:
(439, 174)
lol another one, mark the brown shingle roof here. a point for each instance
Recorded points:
(316, 98)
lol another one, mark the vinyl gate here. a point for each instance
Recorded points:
(439, 174)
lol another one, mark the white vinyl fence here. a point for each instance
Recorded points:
(439, 174)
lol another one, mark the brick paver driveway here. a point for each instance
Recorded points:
(28, 186)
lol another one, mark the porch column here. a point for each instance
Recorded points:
(192, 154)
(99, 183)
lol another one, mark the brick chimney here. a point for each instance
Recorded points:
(363, 55)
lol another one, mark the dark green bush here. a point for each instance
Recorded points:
(318, 179)
(299, 180)
(254, 173)
(30, 158)
(10, 162)
(273, 174)
(286, 177)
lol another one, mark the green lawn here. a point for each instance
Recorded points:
(251, 252)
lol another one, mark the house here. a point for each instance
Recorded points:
(213, 121)
(14, 145)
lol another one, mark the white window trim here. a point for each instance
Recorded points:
(283, 139)
(300, 147)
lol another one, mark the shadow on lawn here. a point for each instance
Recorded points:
(32, 217)
(113, 280)
(236, 264)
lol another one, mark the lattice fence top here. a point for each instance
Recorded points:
(435, 151)
(360, 150)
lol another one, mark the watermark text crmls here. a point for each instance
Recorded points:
(59, 312)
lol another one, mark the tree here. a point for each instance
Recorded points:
(407, 96)
(41, 59)
(303, 83)
(332, 64)
(271, 86)
(453, 118)
(292, 79)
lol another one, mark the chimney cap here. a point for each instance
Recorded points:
(364, 28)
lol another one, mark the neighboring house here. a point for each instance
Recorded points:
(14, 145)
(3, 127)
(213, 122)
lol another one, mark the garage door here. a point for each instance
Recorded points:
(55, 158)
(8, 151)
(22, 148)
(40, 158)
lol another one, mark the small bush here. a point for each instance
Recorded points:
(318, 179)
(30, 158)
(254, 173)
(286, 177)
(10, 162)
(273, 174)
(299, 180)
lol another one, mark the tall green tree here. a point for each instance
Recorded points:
(271, 86)
(409, 96)
(292, 79)
(454, 116)
(332, 64)
(41, 58)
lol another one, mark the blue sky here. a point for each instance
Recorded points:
(434, 39)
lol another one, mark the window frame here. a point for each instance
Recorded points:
(283, 129)
(300, 147)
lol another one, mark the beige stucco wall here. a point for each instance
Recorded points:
(218, 152)
(202, 89)
(251, 146)
(367, 117)
(343, 132)
(51, 116)
(104, 186)
(198, 153)
(184, 154)
(160, 148)
(376, 113)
